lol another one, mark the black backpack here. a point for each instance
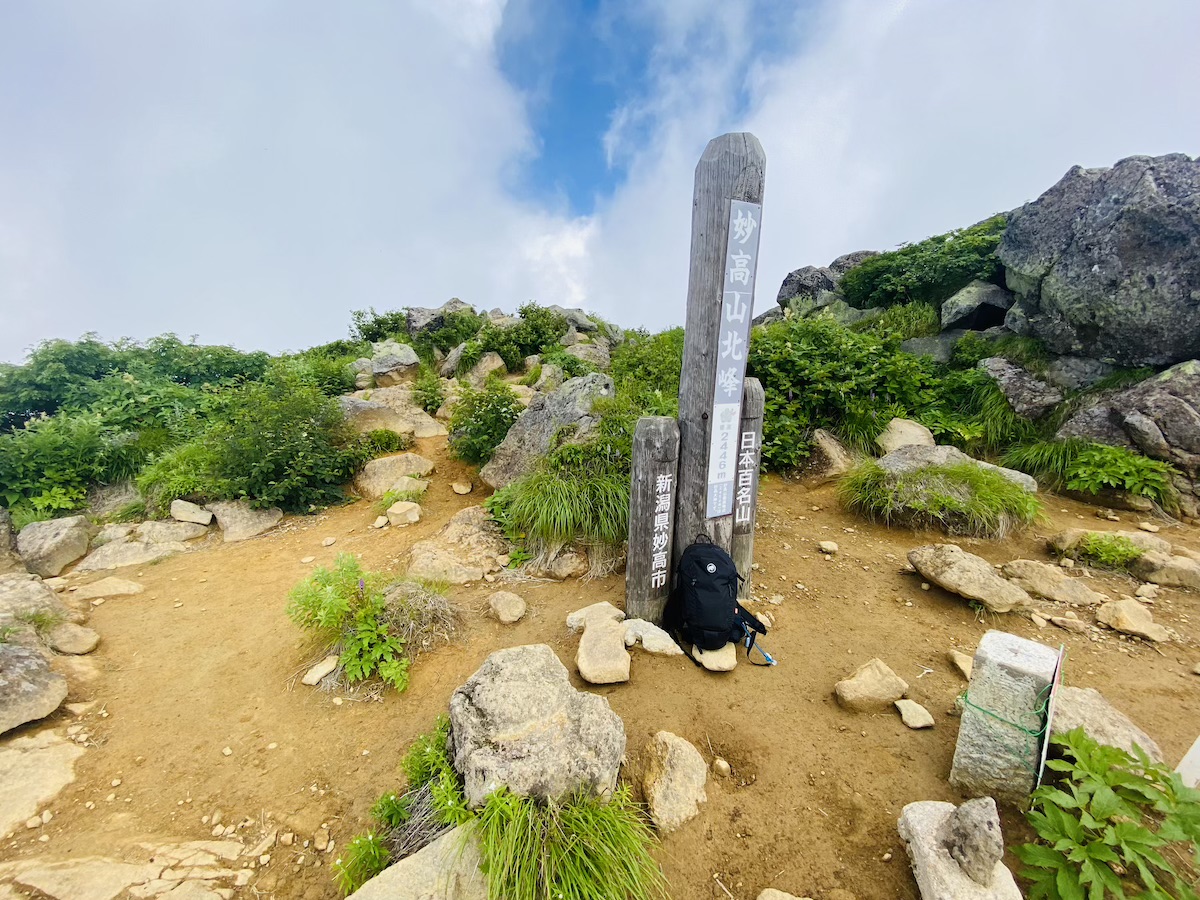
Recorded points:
(704, 609)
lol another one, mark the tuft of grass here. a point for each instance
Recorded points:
(962, 499)
(385, 502)
(1080, 465)
(581, 849)
(382, 441)
(133, 511)
(364, 858)
(42, 621)
(427, 391)
(1107, 551)
(1047, 461)
(532, 376)
(907, 320)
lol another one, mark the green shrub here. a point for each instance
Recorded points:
(1089, 468)
(332, 375)
(904, 321)
(537, 330)
(1107, 551)
(961, 499)
(371, 325)
(572, 366)
(1113, 823)
(481, 420)
(184, 472)
(930, 271)
(583, 848)
(382, 441)
(363, 858)
(49, 462)
(427, 391)
(646, 369)
(456, 328)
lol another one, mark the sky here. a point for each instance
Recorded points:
(250, 171)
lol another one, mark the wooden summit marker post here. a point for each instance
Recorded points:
(726, 215)
(687, 476)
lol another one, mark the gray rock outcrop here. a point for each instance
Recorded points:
(393, 363)
(969, 576)
(468, 548)
(979, 305)
(1050, 582)
(567, 411)
(47, 548)
(1029, 397)
(28, 689)
(805, 284)
(239, 521)
(518, 723)
(381, 475)
(183, 511)
(1106, 264)
(421, 318)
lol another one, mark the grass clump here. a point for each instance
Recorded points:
(929, 271)
(1090, 468)
(427, 391)
(904, 321)
(1107, 551)
(581, 849)
(1114, 824)
(962, 499)
(392, 497)
(481, 420)
(376, 631)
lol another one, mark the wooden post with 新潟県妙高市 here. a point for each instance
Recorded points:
(726, 214)
(745, 498)
(653, 482)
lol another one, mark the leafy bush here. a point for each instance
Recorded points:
(456, 327)
(1107, 551)
(185, 472)
(646, 370)
(427, 391)
(584, 847)
(930, 271)
(331, 374)
(572, 366)
(1089, 468)
(371, 325)
(962, 499)
(481, 420)
(1114, 822)
(538, 329)
(904, 321)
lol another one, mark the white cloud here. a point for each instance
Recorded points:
(252, 173)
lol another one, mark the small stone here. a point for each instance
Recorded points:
(264, 859)
(503, 560)
(829, 547)
(272, 745)
(110, 798)
(218, 830)
(721, 767)
(1148, 526)
(914, 715)
(287, 838)
(328, 542)
(1069, 624)
(723, 660)
(775, 599)
(116, 782)
(674, 781)
(404, 512)
(924, 585)
(314, 675)
(1038, 620)
(380, 522)
(34, 822)
(1130, 617)
(44, 838)
(307, 559)
(461, 487)
(1147, 591)
(507, 606)
(227, 752)
(321, 839)
(872, 687)
(963, 662)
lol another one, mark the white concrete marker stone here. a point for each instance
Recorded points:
(1010, 678)
(1189, 766)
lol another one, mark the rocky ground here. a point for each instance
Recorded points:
(202, 767)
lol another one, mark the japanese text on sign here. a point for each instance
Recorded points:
(737, 304)
(747, 471)
(660, 541)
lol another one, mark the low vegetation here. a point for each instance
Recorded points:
(583, 848)
(1090, 468)
(1113, 824)
(904, 321)
(481, 419)
(375, 629)
(930, 271)
(1107, 551)
(539, 330)
(962, 499)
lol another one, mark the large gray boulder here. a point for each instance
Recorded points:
(518, 723)
(1106, 264)
(566, 412)
(595, 354)
(914, 457)
(1028, 396)
(393, 363)
(806, 284)
(381, 475)
(47, 548)
(1087, 708)
(23, 597)
(979, 305)
(954, 569)
(28, 689)
(422, 318)
(239, 521)
(848, 261)
(126, 551)
(1160, 417)
(469, 547)
(576, 318)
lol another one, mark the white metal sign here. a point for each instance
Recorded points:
(737, 307)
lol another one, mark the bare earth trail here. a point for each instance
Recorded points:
(816, 791)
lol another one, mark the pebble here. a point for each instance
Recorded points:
(218, 830)
(914, 715)
(264, 859)
(227, 752)
(110, 798)
(829, 547)
(380, 522)
(287, 838)
(307, 559)
(328, 542)
(116, 782)
(1038, 620)
(99, 601)
(34, 822)
(1148, 526)
(1144, 592)
(775, 599)
(721, 767)
(321, 839)
(1067, 563)
(272, 745)
(44, 838)
(461, 487)
(924, 585)
(178, 604)
(1196, 669)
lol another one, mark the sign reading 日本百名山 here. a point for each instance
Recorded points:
(737, 307)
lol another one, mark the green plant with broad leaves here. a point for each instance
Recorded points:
(929, 271)
(481, 420)
(1089, 468)
(1114, 824)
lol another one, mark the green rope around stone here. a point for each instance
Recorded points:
(1040, 712)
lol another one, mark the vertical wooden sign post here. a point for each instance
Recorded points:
(651, 517)
(745, 499)
(726, 215)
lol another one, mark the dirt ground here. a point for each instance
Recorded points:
(205, 659)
